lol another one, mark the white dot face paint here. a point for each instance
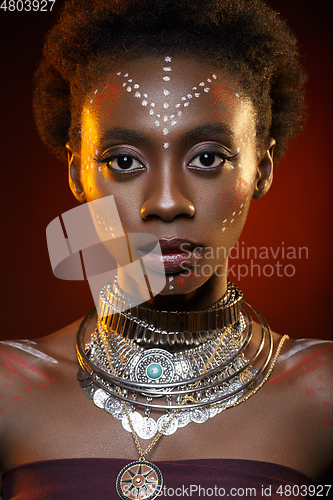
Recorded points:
(159, 114)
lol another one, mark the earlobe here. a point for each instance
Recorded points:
(264, 177)
(74, 174)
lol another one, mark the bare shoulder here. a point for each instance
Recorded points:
(28, 367)
(304, 359)
(304, 374)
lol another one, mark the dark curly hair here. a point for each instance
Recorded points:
(246, 37)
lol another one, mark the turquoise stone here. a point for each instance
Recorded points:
(154, 371)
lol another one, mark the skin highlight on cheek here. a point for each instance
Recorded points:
(172, 110)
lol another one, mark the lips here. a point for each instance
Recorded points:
(178, 254)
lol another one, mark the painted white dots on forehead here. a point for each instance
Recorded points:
(167, 113)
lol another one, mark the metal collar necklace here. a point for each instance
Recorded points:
(167, 328)
(197, 383)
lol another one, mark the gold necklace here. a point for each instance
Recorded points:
(142, 479)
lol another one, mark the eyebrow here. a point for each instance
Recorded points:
(123, 134)
(201, 132)
(205, 131)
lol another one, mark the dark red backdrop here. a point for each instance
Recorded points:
(296, 213)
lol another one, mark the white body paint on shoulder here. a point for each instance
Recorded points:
(301, 344)
(26, 345)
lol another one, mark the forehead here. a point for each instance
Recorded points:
(166, 94)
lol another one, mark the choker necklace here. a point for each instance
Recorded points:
(167, 328)
(191, 385)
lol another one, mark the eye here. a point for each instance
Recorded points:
(207, 159)
(123, 162)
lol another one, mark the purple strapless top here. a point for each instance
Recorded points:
(95, 478)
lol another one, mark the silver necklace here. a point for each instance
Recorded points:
(177, 378)
(167, 328)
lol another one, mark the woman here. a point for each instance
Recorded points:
(173, 120)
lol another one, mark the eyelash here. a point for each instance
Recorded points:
(208, 151)
(107, 159)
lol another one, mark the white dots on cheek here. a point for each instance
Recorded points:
(166, 145)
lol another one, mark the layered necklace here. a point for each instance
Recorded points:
(124, 370)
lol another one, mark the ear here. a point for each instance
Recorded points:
(74, 173)
(264, 177)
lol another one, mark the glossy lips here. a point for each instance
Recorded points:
(177, 254)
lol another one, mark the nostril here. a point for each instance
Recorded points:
(167, 208)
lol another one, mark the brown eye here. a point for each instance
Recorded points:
(124, 162)
(207, 160)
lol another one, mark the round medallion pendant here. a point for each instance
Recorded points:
(150, 367)
(139, 480)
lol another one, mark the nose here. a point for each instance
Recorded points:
(167, 198)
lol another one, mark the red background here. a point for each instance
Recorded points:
(34, 190)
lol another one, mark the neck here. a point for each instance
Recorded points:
(199, 299)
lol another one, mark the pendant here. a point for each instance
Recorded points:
(139, 480)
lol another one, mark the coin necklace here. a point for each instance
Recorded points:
(153, 366)
(142, 479)
(229, 376)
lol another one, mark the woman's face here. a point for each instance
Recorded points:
(173, 140)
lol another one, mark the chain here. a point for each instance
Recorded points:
(264, 380)
(142, 452)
